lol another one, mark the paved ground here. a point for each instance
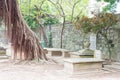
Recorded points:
(33, 71)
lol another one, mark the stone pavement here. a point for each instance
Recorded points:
(28, 71)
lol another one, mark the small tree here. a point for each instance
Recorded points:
(68, 10)
(98, 24)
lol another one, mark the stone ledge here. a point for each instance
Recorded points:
(82, 60)
(58, 52)
(55, 49)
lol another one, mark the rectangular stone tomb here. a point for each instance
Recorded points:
(77, 55)
(58, 52)
(80, 64)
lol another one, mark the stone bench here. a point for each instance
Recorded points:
(57, 52)
(80, 64)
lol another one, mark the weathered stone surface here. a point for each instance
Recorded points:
(58, 52)
(84, 52)
(2, 52)
(77, 64)
(97, 54)
(81, 56)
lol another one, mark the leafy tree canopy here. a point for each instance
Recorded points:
(111, 6)
(30, 13)
(49, 13)
(97, 23)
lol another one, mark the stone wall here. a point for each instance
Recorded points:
(114, 37)
(3, 38)
(73, 40)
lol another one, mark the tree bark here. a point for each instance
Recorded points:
(38, 19)
(23, 40)
(44, 35)
(61, 35)
(108, 45)
(62, 14)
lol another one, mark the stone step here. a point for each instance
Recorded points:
(3, 57)
(112, 68)
(116, 63)
(109, 70)
(4, 60)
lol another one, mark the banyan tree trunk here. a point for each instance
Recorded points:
(24, 41)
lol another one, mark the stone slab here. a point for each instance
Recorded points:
(65, 54)
(55, 49)
(57, 52)
(79, 64)
(2, 52)
(81, 56)
(82, 60)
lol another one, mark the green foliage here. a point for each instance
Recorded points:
(110, 7)
(31, 21)
(50, 21)
(97, 23)
(110, 1)
(98, 0)
(48, 13)
(70, 9)
(30, 13)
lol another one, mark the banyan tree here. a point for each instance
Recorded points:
(23, 40)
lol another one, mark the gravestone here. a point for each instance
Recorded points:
(93, 41)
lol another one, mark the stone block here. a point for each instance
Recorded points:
(65, 54)
(57, 52)
(2, 52)
(79, 64)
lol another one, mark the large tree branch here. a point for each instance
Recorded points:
(73, 9)
(57, 7)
